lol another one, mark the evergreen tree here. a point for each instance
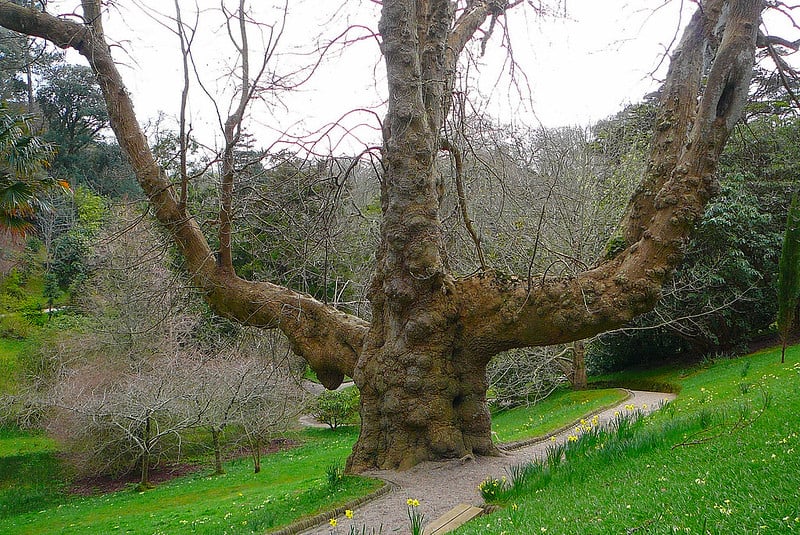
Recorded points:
(789, 274)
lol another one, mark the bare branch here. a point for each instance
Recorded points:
(330, 340)
(462, 200)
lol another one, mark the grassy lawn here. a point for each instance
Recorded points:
(560, 409)
(291, 484)
(10, 350)
(723, 458)
(28, 474)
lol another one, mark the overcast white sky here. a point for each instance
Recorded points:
(573, 69)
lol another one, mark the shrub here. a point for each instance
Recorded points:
(336, 407)
(15, 327)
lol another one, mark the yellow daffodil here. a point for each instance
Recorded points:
(348, 513)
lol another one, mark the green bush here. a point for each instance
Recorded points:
(336, 407)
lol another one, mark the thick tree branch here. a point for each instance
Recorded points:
(680, 181)
(328, 339)
(468, 23)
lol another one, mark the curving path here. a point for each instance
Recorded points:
(439, 486)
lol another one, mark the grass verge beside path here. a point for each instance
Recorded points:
(562, 408)
(723, 458)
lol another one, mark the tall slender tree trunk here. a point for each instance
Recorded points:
(255, 452)
(579, 381)
(215, 440)
(144, 480)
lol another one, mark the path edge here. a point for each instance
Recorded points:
(524, 443)
(319, 519)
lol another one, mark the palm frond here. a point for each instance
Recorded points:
(24, 160)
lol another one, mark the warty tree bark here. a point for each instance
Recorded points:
(420, 364)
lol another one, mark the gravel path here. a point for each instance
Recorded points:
(439, 486)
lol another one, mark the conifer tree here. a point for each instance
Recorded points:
(789, 274)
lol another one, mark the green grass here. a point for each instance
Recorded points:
(292, 484)
(712, 462)
(14, 442)
(28, 473)
(560, 409)
(10, 351)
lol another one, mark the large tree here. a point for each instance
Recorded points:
(420, 362)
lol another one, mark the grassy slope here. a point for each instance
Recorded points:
(27, 467)
(737, 479)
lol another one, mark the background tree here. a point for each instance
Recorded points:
(272, 395)
(420, 362)
(114, 420)
(23, 59)
(789, 274)
(245, 385)
(73, 106)
(75, 118)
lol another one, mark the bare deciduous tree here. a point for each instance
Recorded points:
(115, 419)
(244, 385)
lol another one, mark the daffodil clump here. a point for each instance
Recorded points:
(492, 488)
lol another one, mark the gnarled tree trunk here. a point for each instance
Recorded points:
(420, 365)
